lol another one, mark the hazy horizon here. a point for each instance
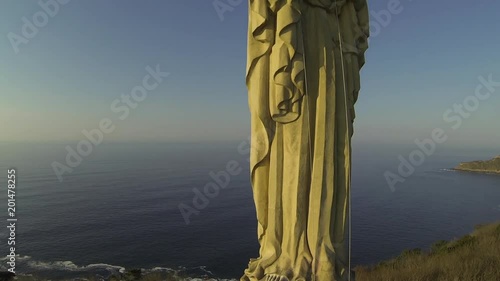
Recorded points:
(66, 78)
(125, 141)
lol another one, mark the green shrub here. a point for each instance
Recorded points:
(411, 252)
(133, 274)
(466, 241)
(440, 246)
(497, 231)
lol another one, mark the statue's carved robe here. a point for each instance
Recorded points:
(302, 209)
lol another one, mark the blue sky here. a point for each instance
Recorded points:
(421, 62)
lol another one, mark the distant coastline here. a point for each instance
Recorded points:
(484, 167)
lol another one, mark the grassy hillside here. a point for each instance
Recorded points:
(474, 257)
(489, 166)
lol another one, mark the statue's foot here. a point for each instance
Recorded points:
(276, 277)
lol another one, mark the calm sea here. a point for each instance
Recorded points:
(119, 208)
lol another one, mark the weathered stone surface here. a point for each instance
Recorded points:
(302, 92)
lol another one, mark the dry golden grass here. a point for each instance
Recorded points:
(474, 257)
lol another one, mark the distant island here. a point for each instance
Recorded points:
(488, 166)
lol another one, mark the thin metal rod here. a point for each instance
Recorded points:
(348, 141)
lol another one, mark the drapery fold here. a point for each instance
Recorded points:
(301, 99)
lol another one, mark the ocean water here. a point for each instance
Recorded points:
(119, 208)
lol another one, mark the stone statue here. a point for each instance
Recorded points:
(302, 91)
